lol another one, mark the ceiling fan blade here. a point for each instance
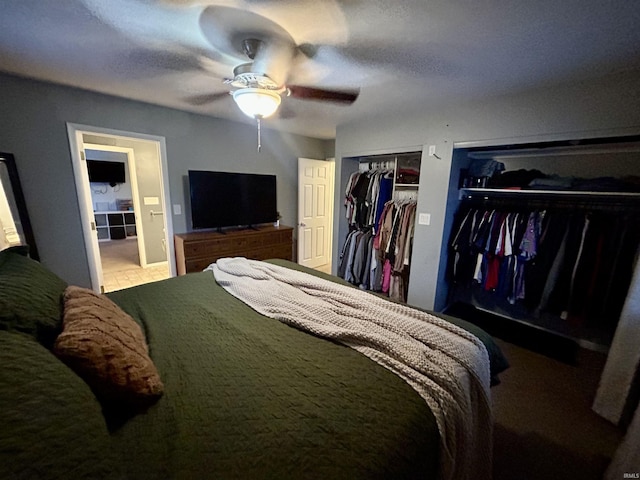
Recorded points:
(274, 58)
(226, 28)
(163, 59)
(285, 113)
(155, 62)
(206, 98)
(337, 96)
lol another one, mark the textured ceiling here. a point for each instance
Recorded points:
(399, 53)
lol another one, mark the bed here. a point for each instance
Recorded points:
(245, 396)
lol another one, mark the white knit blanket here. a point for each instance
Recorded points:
(446, 365)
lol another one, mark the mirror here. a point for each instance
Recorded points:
(15, 227)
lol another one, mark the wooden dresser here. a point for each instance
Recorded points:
(195, 251)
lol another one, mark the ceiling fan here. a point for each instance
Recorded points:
(259, 85)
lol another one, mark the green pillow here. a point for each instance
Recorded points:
(30, 297)
(51, 425)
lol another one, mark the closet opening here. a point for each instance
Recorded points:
(380, 207)
(544, 236)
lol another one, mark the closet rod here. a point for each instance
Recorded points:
(527, 194)
(372, 164)
(589, 204)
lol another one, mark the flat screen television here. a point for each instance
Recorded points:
(101, 171)
(224, 199)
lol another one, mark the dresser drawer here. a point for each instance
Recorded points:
(196, 251)
(199, 264)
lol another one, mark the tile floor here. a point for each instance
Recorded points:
(121, 265)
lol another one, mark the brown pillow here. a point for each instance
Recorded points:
(107, 349)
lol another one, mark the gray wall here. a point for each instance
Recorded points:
(33, 118)
(329, 148)
(103, 192)
(606, 106)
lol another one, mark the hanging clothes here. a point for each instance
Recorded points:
(573, 264)
(377, 257)
(365, 196)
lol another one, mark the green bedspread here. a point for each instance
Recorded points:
(249, 397)
(245, 395)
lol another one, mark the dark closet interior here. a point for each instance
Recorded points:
(544, 236)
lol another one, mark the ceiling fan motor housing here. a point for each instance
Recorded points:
(245, 76)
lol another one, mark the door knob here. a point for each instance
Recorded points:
(303, 224)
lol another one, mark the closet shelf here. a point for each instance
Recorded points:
(407, 185)
(467, 193)
(629, 144)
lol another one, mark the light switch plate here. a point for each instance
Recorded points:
(177, 209)
(424, 219)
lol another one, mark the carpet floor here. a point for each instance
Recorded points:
(544, 425)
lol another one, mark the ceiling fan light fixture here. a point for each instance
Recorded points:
(257, 102)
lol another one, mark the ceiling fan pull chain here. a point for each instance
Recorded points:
(259, 144)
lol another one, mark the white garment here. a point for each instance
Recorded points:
(446, 365)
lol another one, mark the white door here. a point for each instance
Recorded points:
(315, 212)
(89, 228)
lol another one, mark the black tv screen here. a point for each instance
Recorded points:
(106, 172)
(224, 199)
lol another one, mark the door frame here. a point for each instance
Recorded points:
(131, 166)
(75, 133)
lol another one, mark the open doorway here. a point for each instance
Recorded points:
(122, 191)
(119, 227)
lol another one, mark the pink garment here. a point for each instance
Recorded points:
(386, 276)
